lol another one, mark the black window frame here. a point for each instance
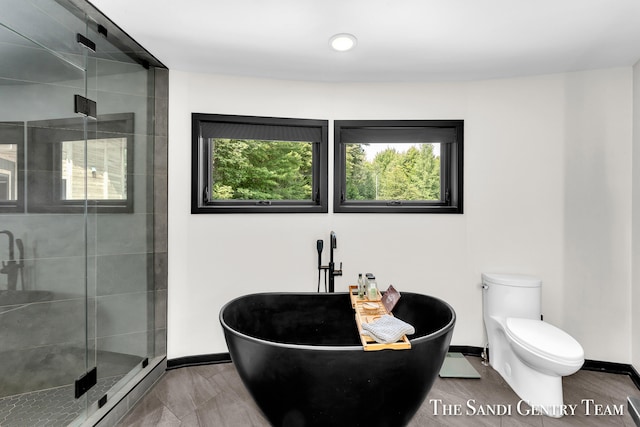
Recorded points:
(451, 170)
(201, 168)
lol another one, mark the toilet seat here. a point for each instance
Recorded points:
(545, 340)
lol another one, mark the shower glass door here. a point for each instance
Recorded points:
(43, 246)
(119, 196)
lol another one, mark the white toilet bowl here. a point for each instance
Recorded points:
(544, 347)
(531, 355)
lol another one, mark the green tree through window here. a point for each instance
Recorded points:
(392, 174)
(261, 170)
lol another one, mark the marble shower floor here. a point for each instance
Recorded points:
(213, 395)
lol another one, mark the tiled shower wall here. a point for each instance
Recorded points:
(160, 193)
(43, 343)
(125, 297)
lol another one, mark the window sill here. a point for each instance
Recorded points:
(395, 209)
(259, 209)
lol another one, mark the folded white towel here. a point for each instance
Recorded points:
(387, 329)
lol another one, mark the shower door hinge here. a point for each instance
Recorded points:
(85, 42)
(85, 106)
(102, 401)
(86, 381)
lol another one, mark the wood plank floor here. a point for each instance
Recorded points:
(213, 395)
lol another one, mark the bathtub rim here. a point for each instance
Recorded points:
(443, 330)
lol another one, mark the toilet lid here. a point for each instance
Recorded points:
(545, 339)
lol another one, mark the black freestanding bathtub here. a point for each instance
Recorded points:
(300, 357)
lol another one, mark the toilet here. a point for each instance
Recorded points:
(531, 355)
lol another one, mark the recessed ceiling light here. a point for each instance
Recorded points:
(343, 42)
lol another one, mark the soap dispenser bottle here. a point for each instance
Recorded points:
(372, 288)
(361, 290)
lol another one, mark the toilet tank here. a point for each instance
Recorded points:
(511, 295)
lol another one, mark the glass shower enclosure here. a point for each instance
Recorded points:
(79, 295)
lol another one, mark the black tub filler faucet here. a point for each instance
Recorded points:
(12, 267)
(331, 268)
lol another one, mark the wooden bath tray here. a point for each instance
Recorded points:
(368, 315)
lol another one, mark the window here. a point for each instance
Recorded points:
(106, 169)
(258, 164)
(63, 170)
(11, 167)
(398, 166)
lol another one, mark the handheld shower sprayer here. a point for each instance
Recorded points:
(319, 246)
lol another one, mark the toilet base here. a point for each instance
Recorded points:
(542, 392)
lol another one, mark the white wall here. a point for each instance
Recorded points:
(597, 181)
(635, 258)
(527, 205)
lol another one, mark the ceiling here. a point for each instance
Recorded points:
(398, 40)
